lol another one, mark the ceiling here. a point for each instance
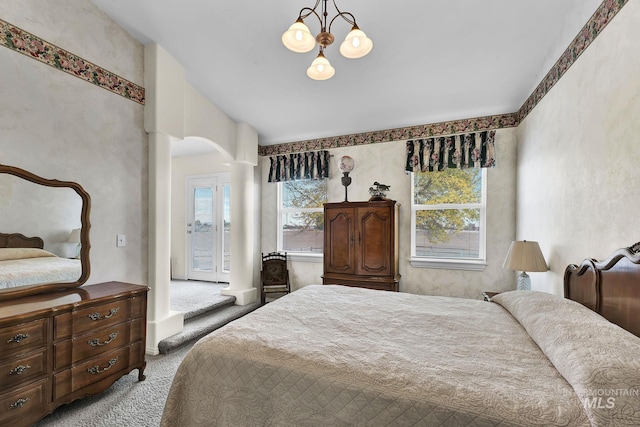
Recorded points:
(431, 61)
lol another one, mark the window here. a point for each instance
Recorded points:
(301, 218)
(448, 219)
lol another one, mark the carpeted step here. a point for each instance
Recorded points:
(197, 327)
(216, 303)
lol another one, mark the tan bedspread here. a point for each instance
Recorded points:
(22, 272)
(338, 356)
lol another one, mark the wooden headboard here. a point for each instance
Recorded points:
(611, 288)
(17, 240)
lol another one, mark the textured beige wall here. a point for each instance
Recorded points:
(59, 126)
(385, 163)
(578, 154)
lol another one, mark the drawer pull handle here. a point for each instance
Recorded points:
(18, 338)
(98, 316)
(96, 369)
(96, 341)
(19, 370)
(18, 403)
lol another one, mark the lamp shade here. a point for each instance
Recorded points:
(346, 164)
(74, 237)
(320, 68)
(525, 256)
(356, 44)
(298, 38)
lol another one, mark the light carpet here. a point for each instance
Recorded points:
(194, 297)
(127, 402)
(197, 327)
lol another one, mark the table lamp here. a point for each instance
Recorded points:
(525, 256)
(346, 165)
(74, 237)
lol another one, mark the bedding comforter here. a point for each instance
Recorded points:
(340, 356)
(28, 266)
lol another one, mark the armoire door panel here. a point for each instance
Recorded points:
(361, 244)
(374, 247)
(339, 250)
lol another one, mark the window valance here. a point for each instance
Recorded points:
(471, 150)
(296, 166)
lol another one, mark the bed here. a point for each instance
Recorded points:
(23, 262)
(339, 356)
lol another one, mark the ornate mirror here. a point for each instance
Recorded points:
(44, 234)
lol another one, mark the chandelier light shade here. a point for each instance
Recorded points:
(320, 68)
(298, 38)
(356, 45)
(525, 256)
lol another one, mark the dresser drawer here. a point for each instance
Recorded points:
(23, 336)
(92, 344)
(101, 315)
(64, 345)
(28, 402)
(139, 306)
(90, 372)
(22, 368)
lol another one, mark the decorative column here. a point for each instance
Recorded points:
(242, 230)
(163, 120)
(162, 321)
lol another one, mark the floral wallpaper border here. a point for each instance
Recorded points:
(398, 134)
(34, 47)
(594, 26)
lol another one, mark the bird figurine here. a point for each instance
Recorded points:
(378, 191)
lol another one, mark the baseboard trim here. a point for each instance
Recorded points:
(243, 296)
(159, 330)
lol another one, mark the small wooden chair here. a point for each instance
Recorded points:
(274, 276)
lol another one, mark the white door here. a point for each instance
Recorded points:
(208, 225)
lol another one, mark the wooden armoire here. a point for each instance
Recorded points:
(361, 244)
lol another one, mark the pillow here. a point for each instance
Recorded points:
(7, 254)
(599, 359)
(63, 249)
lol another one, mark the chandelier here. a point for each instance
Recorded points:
(298, 38)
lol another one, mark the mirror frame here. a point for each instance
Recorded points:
(13, 293)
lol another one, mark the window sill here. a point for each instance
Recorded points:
(302, 257)
(448, 264)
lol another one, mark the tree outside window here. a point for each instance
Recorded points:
(301, 216)
(448, 214)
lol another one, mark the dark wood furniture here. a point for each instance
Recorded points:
(17, 240)
(361, 244)
(611, 288)
(488, 295)
(274, 275)
(61, 346)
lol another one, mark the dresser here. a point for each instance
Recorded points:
(61, 346)
(361, 244)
